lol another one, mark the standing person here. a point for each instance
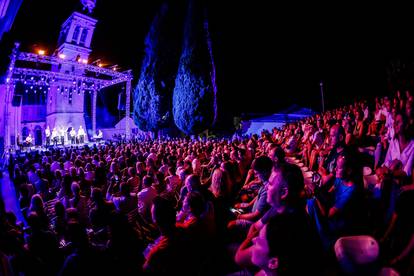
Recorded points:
(81, 135)
(72, 134)
(47, 133)
(54, 136)
(100, 135)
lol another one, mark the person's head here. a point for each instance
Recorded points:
(348, 168)
(36, 203)
(388, 104)
(219, 183)
(262, 167)
(196, 203)
(277, 155)
(163, 214)
(337, 135)
(277, 248)
(58, 174)
(147, 181)
(401, 124)
(59, 209)
(132, 171)
(75, 188)
(192, 182)
(286, 187)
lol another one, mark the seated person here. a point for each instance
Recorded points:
(285, 196)
(335, 213)
(166, 253)
(126, 201)
(283, 248)
(401, 146)
(262, 167)
(398, 241)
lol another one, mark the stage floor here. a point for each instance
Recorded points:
(59, 146)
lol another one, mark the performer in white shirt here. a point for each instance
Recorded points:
(72, 134)
(54, 136)
(47, 133)
(28, 140)
(81, 135)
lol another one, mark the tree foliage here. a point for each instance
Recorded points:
(194, 97)
(152, 95)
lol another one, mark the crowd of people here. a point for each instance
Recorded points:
(237, 206)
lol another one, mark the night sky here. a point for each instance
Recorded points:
(267, 56)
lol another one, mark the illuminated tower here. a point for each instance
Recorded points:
(65, 104)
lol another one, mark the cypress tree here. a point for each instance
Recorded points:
(194, 97)
(152, 95)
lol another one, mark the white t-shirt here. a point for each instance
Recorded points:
(406, 157)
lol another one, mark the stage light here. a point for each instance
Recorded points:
(84, 61)
(41, 52)
(100, 64)
(62, 56)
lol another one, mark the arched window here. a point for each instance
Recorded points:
(76, 35)
(38, 136)
(25, 133)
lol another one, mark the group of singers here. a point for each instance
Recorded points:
(54, 137)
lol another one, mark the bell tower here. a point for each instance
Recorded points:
(65, 104)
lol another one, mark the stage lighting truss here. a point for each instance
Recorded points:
(83, 78)
(40, 73)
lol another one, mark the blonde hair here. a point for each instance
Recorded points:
(220, 183)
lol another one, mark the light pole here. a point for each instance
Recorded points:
(322, 98)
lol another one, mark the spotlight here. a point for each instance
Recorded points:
(62, 56)
(41, 52)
